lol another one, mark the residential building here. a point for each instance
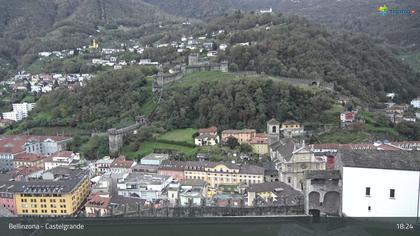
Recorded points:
(103, 165)
(20, 111)
(97, 205)
(259, 144)
(216, 174)
(415, 102)
(62, 158)
(154, 159)
(192, 192)
(7, 198)
(228, 200)
(273, 193)
(145, 186)
(292, 128)
(374, 179)
(5, 123)
(28, 160)
(175, 169)
(243, 136)
(207, 137)
(60, 192)
(12, 145)
(121, 165)
(347, 117)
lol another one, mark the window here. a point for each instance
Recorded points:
(274, 129)
(392, 193)
(369, 208)
(289, 180)
(367, 191)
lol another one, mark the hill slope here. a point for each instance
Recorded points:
(354, 15)
(293, 47)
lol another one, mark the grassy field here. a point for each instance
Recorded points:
(163, 142)
(149, 146)
(191, 79)
(179, 135)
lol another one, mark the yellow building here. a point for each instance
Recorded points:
(216, 174)
(60, 192)
(259, 144)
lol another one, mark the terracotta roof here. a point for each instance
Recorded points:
(211, 130)
(24, 170)
(29, 157)
(62, 154)
(95, 200)
(15, 143)
(234, 131)
(122, 162)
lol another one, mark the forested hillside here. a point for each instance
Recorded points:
(354, 15)
(293, 47)
(110, 99)
(240, 104)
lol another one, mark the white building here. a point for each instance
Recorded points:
(154, 159)
(20, 111)
(379, 183)
(415, 102)
(63, 158)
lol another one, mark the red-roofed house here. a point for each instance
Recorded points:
(260, 144)
(121, 164)
(28, 160)
(97, 205)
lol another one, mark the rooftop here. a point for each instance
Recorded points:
(397, 160)
(241, 131)
(322, 174)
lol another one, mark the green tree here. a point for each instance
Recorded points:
(232, 142)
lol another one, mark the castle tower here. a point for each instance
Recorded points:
(193, 59)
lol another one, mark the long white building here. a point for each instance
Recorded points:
(380, 183)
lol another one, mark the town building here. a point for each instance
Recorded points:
(273, 193)
(154, 159)
(322, 190)
(12, 145)
(292, 128)
(173, 168)
(293, 159)
(259, 144)
(145, 186)
(207, 137)
(60, 192)
(374, 179)
(97, 205)
(192, 192)
(415, 102)
(243, 136)
(62, 158)
(103, 165)
(20, 111)
(28, 160)
(347, 117)
(121, 165)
